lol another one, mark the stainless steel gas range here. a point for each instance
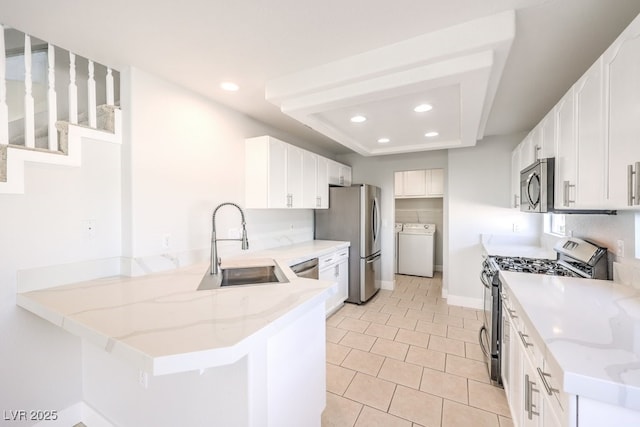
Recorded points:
(575, 258)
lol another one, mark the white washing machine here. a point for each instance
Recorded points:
(398, 229)
(416, 249)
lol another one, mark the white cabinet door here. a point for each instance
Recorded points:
(548, 128)
(590, 135)
(294, 177)
(515, 177)
(527, 154)
(567, 153)
(309, 180)
(398, 184)
(265, 173)
(322, 182)
(435, 182)
(532, 414)
(343, 279)
(415, 183)
(536, 142)
(339, 174)
(622, 74)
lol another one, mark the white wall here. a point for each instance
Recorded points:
(185, 155)
(40, 366)
(478, 189)
(380, 171)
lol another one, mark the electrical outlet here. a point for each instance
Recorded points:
(166, 241)
(515, 227)
(620, 248)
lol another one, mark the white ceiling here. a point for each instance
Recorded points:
(199, 43)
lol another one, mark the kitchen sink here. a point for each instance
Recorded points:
(242, 276)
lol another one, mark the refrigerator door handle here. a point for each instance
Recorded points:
(373, 259)
(375, 219)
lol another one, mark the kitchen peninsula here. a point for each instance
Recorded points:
(156, 351)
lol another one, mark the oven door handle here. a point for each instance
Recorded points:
(482, 346)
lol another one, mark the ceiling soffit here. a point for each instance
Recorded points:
(384, 84)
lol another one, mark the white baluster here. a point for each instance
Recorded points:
(110, 92)
(29, 110)
(73, 90)
(53, 103)
(4, 111)
(91, 96)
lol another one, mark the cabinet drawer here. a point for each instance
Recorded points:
(551, 382)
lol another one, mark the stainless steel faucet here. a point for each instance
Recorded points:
(214, 240)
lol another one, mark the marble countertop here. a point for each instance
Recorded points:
(163, 325)
(591, 328)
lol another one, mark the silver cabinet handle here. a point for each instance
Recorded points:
(512, 313)
(543, 376)
(528, 392)
(336, 270)
(633, 191)
(523, 338)
(538, 150)
(341, 180)
(318, 201)
(566, 199)
(516, 201)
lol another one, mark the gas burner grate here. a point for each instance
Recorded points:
(533, 265)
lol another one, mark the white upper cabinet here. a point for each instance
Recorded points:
(548, 136)
(281, 176)
(622, 75)
(419, 183)
(527, 152)
(590, 139)
(566, 154)
(322, 183)
(309, 179)
(339, 174)
(515, 177)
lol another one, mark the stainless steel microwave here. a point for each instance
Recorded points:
(536, 186)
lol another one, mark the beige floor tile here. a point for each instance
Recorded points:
(340, 412)
(373, 306)
(400, 372)
(336, 353)
(472, 369)
(445, 385)
(417, 406)
(448, 320)
(489, 398)
(388, 300)
(438, 308)
(461, 334)
(338, 379)
(352, 310)
(355, 325)
(412, 337)
(392, 309)
(382, 331)
(334, 335)
(371, 391)
(370, 417)
(431, 328)
(447, 345)
(334, 319)
(420, 315)
(458, 415)
(375, 317)
(356, 340)
(427, 358)
(402, 322)
(467, 313)
(473, 351)
(388, 348)
(505, 422)
(414, 305)
(363, 361)
(473, 324)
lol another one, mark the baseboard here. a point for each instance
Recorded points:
(476, 303)
(77, 413)
(388, 285)
(55, 275)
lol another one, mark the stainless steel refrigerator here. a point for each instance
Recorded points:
(354, 216)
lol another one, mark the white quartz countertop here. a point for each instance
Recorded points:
(163, 324)
(592, 330)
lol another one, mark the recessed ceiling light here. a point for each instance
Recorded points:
(229, 86)
(384, 140)
(431, 134)
(358, 119)
(423, 108)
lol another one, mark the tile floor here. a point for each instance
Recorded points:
(407, 358)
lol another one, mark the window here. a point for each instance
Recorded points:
(556, 224)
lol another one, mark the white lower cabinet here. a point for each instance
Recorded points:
(531, 378)
(335, 267)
